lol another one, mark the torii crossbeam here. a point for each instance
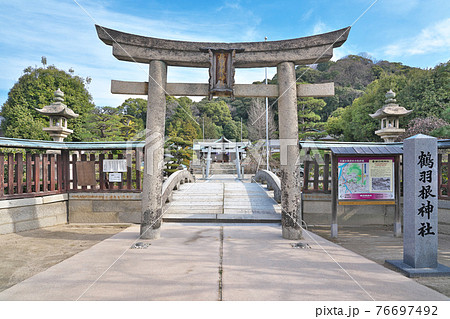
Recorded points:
(221, 59)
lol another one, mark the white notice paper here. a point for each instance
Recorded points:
(114, 165)
(115, 177)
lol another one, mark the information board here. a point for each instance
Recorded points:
(365, 178)
(114, 165)
(115, 177)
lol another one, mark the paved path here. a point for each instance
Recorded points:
(213, 262)
(223, 198)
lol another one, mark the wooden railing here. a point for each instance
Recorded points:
(131, 179)
(443, 176)
(33, 174)
(23, 174)
(316, 175)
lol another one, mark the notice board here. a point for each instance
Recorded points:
(86, 173)
(366, 178)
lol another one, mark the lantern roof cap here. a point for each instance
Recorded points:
(58, 108)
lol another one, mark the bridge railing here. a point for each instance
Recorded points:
(173, 183)
(273, 182)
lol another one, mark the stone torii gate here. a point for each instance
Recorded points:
(222, 59)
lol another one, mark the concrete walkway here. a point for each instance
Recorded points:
(213, 262)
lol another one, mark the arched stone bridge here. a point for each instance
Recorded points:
(221, 198)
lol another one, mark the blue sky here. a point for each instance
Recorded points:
(413, 32)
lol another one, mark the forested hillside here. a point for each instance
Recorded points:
(360, 86)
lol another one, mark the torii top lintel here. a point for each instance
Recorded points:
(301, 51)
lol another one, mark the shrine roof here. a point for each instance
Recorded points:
(368, 150)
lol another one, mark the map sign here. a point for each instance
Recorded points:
(365, 178)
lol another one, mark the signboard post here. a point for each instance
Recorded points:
(420, 209)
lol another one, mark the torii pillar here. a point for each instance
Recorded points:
(154, 152)
(289, 151)
(221, 59)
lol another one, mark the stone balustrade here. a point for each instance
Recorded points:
(173, 183)
(273, 182)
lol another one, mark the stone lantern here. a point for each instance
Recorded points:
(389, 115)
(58, 113)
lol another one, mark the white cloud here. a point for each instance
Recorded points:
(231, 5)
(65, 34)
(319, 28)
(307, 15)
(435, 38)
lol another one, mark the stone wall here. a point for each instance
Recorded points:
(105, 207)
(317, 211)
(18, 215)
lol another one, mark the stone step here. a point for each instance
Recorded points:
(251, 210)
(220, 218)
(257, 203)
(198, 197)
(223, 164)
(181, 210)
(222, 171)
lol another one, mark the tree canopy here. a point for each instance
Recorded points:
(360, 86)
(35, 89)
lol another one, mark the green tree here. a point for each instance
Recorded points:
(136, 108)
(181, 151)
(105, 124)
(35, 89)
(357, 124)
(309, 124)
(343, 97)
(231, 131)
(427, 92)
(181, 122)
(335, 124)
(218, 119)
(217, 110)
(212, 131)
(129, 126)
(444, 131)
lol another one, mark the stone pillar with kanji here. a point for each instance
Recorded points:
(420, 208)
(420, 202)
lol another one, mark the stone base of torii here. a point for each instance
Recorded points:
(221, 59)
